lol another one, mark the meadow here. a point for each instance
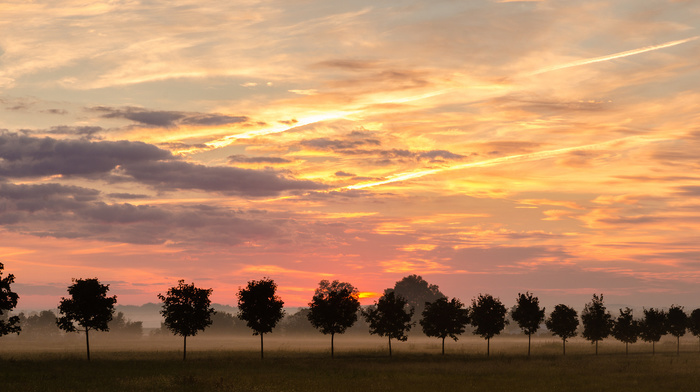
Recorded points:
(304, 364)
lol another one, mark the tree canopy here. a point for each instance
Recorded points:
(389, 317)
(417, 292)
(187, 310)
(488, 315)
(8, 301)
(260, 307)
(88, 306)
(563, 322)
(333, 308)
(528, 315)
(597, 321)
(653, 326)
(625, 328)
(443, 318)
(677, 324)
(694, 322)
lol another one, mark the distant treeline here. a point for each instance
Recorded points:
(334, 309)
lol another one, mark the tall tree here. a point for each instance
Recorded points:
(88, 306)
(597, 321)
(187, 310)
(8, 301)
(333, 308)
(677, 324)
(626, 328)
(528, 315)
(488, 315)
(260, 307)
(417, 292)
(390, 316)
(563, 322)
(694, 324)
(443, 318)
(653, 326)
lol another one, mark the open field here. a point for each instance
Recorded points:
(360, 364)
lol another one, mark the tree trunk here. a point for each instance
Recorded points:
(443, 345)
(389, 346)
(184, 349)
(528, 344)
(653, 349)
(261, 346)
(332, 336)
(563, 343)
(87, 342)
(627, 350)
(488, 347)
(596, 347)
(678, 345)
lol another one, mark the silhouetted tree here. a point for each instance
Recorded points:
(42, 324)
(443, 318)
(528, 315)
(597, 322)
(653, 326)
(417, 292)
(694, 324)
(488, 315)
(563, 322)
(333, 308)
(120, 325)
(260, 307)
(626, 328)
(187, 310)
(8, 301)
(389, 317)
(677, 324)
(297, 323)
(88, 306)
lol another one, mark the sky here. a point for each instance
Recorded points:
(489, 146)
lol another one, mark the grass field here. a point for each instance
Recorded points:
(417, 367)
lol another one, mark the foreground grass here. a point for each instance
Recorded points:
(361, 370)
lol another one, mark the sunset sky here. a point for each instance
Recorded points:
(488, 146)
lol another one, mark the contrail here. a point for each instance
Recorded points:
(496, 161)
(615, 55)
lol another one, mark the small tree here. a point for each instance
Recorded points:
(694, 323)
(417, 292)
(443, 318)
(389, 317)
(597, 322)
(528, 314)
(88, 306)
(677, 324)
(333, 308)
(8, 301)
(187, 310)
(260, 307)
(653, 327)
(563, 322)
(626, 328)
(488, 315)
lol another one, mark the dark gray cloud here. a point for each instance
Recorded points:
(247, 159)
(172, 175)
(162, 118)
(86, 132)
(338, 145)
(364, 147)
(343, 174)
(126, 196)
(26, 156)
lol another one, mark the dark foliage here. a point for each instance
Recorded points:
(8, 301)
(563, 322)
(187, 310)
(625, 328)
(528, 315)
(88, 306)
(653, 326)
(488, 316)
(389, 317)
(44, 324)
(443, 318)
(417, 292)
(334, 308)
(677, 324)
(597, 321)
(694, 322)
(120, 325)
(260, 307)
